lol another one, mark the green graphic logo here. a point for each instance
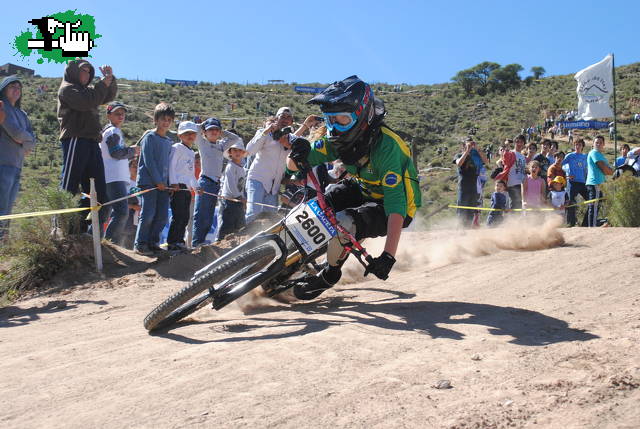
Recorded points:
(61, 37)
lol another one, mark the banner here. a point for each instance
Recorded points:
(308, 89)
(595, 86)
(584, 125)
(181, 82)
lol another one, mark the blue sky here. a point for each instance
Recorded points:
(322, 41)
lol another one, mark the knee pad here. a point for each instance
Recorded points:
(347, 221)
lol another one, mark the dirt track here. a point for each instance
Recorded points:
(527, 338)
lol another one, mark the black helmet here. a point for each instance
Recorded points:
(353, 98)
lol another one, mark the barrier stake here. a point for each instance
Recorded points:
(95, 227)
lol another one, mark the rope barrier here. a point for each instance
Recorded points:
(453, 206)
(71, 210)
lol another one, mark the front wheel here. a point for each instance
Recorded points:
(196, 294)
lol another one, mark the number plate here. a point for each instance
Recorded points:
(309, 226)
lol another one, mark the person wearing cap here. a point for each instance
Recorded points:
(267, 169)
(208, 187)
(80, 130)
(182, 180)
(16, 140)
(116, 156)
(558, 197)
(231, 213)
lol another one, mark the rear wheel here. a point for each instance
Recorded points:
(191, 298)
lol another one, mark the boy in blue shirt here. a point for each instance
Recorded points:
(153, 172)
(575, 165)
(597, 168)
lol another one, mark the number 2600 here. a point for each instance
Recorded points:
(312, 229)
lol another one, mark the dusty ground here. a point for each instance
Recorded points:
(545, 336)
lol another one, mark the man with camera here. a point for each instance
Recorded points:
(271, 147)
(469, 163)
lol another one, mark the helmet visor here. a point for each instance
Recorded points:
(340, 121)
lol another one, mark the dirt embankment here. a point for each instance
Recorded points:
(529, 327)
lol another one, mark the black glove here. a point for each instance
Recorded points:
(300, 149)
(381, 266)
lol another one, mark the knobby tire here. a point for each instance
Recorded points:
(182, 303)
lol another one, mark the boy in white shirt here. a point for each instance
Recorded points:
(182, 181)
(116, 156)
(231, 213)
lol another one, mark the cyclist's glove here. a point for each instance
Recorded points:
(300, 149)
(381, 266)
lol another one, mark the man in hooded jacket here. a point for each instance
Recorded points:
(80, 130)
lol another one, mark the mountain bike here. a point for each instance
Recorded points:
(271, 259)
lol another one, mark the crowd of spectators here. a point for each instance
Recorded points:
(166, 170)
(528, 180)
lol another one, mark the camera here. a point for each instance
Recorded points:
(277, 134)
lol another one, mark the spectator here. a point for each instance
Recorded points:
(133, 204)
(558, 196)
(597, 169)
(621, 159)
(553, 148)
(499, 202)
(80, 131)
(556, 169)
(612, 130)
(543, 158)
(575, 165)
(516, 173)
(182, 181)
(232, 212)
(533, 188)
(153, 173)
(267, 169)
(468, 163)
(532, 148)
(570, 137)
(116, 156)
(208, 186)
(16, 141)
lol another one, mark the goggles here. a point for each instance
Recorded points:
(340, 121)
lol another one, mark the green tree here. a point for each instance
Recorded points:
(505, 78)
(466, 79)
(482, 73)
(538, 72)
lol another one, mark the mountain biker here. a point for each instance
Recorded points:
(384, 194)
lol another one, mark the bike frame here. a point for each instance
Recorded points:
(277, 234)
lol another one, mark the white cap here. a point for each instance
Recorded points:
(188, 126)
(237, 145)
(284, 110)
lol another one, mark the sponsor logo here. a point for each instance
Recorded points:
(315, 208)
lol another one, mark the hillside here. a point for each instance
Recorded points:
(522, 342)
(431, 115)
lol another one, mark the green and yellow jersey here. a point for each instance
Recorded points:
(389, 175)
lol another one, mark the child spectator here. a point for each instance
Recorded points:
(556, 169)
(543, 159)
(183, 181)
(621, 159)
(558, 196)
(231, 217)
(500, 202)
(209, 181)
(153, 172)
(116, 156)
(532, 149)
(533, 188)
(133, 204)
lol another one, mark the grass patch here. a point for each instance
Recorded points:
(622, 202)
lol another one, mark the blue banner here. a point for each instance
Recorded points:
(181, 82)
(585, 125)
(308, 89)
